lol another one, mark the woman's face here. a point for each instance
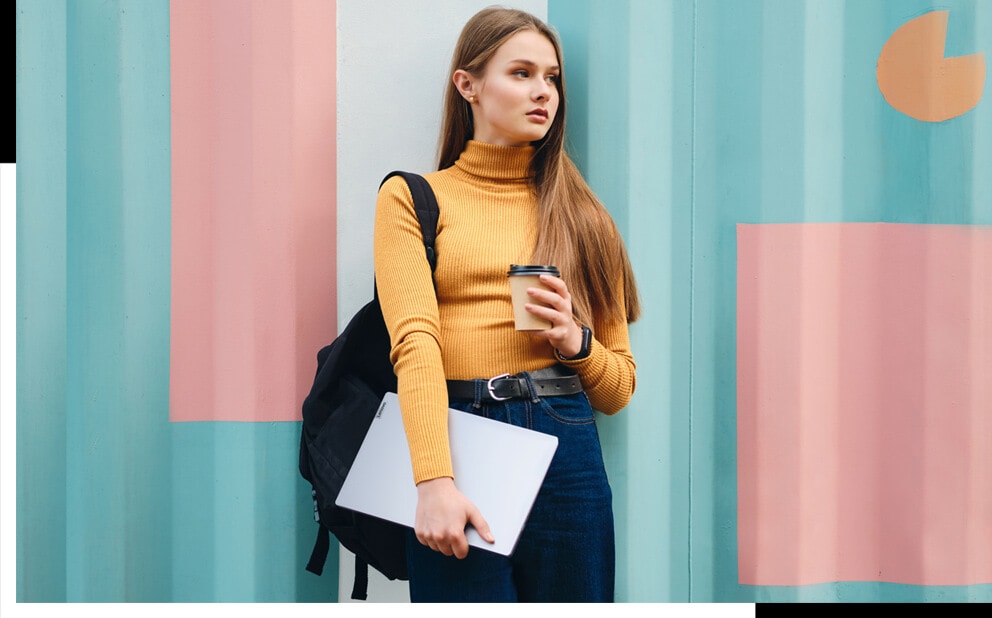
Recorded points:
(517, 97)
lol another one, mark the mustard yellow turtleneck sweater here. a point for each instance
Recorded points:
(488, 220)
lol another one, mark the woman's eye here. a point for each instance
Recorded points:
(520, 73)
(552, 79)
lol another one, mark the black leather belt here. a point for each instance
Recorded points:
(548, 382)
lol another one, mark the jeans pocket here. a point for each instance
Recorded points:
(569, 410)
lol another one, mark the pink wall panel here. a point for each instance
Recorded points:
(253, 217)
(864, 411)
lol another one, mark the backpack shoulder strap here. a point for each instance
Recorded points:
(425, 204)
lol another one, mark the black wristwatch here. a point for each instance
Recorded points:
(584, 350)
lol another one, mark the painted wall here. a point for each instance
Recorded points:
(693, 118)
(689, 118)
(115, 502)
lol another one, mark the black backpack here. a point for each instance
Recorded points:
(353, 374)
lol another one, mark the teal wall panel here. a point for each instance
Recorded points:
(727, 139)
(117, 307)
(630, 131)
(41, 298)
(981, 144)
(823, 153)
(242, 516)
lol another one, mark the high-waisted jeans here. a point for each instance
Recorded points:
(566, 550)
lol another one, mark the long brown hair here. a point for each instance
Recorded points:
(577, 233)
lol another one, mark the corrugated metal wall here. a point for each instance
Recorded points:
(115, 503)
(689, 117)
(630, 74)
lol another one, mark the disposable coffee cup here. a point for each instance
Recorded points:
(521, 278)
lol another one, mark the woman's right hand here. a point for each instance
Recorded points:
(442, 514)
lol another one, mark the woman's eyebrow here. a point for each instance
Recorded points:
(531, 63)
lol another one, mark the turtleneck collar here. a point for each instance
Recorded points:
(496, 162)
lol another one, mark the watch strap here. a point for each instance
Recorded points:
(584, 350)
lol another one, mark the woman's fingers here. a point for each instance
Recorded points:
(554, 305)
(442, 514)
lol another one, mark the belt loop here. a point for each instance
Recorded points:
(480, 389)
(534, 398)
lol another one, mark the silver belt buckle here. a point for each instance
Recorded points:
(489, 385)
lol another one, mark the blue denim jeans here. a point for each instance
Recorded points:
(566, 550)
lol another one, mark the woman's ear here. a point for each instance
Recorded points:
(465, 84)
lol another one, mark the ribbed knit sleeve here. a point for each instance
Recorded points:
(608, 373)
(409, 306)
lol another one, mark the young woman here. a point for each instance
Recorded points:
(508, 194)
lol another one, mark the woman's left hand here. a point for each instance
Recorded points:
(564, 334)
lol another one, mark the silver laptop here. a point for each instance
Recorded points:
(499, 467)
